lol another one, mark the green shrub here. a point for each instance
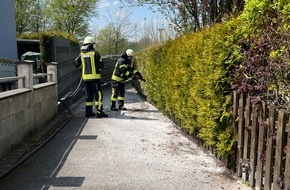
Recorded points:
(192, 77)
(189, 79)
(264, 72)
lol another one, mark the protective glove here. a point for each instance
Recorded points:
(137, 76)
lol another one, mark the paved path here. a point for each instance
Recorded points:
(131, 150)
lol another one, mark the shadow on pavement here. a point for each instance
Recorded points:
(41, 170)
(67, 144)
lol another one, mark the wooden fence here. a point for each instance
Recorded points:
(263, 149)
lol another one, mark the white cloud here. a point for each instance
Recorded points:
(104, 4)
(108, 4)
(116, 3)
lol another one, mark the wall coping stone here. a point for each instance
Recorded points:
(14, 92)
(43, 85)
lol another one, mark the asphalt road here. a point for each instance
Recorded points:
(137, 149)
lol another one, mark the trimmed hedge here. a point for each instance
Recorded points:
(190, 78)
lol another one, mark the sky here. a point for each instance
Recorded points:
(141, 16)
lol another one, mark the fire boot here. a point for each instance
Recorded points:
(113, 106)
(121, 105)
(100, 113)
(89, 111)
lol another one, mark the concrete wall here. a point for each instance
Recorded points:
(24, 110)
(27, 108)
(8, 44)
(68, 75)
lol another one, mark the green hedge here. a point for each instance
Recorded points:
(189, 78)
(192, 77)
(264, 73)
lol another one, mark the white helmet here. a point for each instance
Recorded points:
(89, 40)
(130, 52)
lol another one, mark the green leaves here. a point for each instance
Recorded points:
(70, 16)
(265, 67)
(192, 75)
(196, 73)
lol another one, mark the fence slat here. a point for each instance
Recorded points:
(278, 178)
(246, 151)
(241, 130)
(261, 145)
(270, 149)
(287, 167)
(254, 147)
(235, 161)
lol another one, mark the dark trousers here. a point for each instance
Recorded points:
(118, 93)
(99, 97)
(93, 92)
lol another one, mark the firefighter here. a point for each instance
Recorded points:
(92, 65)
(122, 72)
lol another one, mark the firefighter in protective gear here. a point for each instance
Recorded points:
(92, 65)
(122, 72)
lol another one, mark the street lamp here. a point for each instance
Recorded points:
(145, 33)
(161, 31)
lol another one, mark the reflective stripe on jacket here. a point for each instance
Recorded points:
(123, 70)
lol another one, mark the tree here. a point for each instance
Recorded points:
(105, 41)
(39, 16)
(21, 15)
(30, 16)
(72, 16)
(119, 31)
(191, 15)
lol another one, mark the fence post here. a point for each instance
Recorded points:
(25, 69)
(52, 72)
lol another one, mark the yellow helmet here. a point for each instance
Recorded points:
(89, 40)
(130, 52)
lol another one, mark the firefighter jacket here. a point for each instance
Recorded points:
(90, 62)
(124, 70)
